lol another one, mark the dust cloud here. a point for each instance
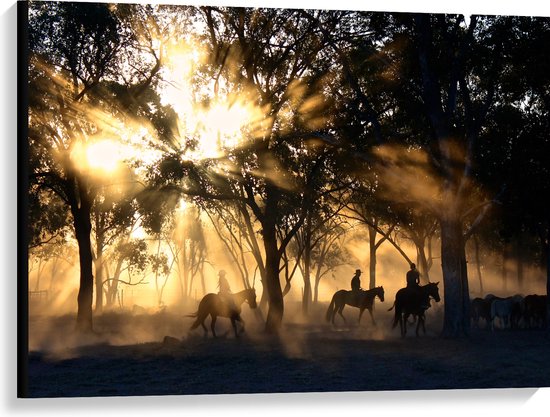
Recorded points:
(138, 318)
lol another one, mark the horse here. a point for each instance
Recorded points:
(215, 305)
(363, 300)
(409, 301)
(480, 309)
(503, 309)
(535, 310)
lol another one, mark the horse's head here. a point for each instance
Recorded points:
(250, 297)
(380, 293)
(433, 291)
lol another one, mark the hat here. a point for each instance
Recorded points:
(222, 273)
(357, 271)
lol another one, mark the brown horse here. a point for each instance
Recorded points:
(362, 300)
(215, 305)
(410, 301)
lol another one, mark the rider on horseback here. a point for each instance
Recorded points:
(413, 283)
(225, 291)
(413, 277)
(356, 284)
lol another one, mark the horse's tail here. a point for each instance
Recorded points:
(391, 308)
(196, 322)
(397, 314)
(330, 310)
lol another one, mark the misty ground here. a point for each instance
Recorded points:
(130, 355)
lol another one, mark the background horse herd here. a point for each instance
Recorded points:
(515, 312)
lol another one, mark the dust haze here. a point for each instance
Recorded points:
(138, 317)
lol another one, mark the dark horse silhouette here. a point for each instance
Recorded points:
(363, 300)
(412, 301)
(214, 305)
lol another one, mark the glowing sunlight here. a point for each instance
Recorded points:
(217, 127)
(104, 155)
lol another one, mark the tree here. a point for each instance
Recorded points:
(114, 215)
(130, 256)
(269, 57)
(76, 50)
(442, 83)
(189, 248)
(457, 108)
(320, 241)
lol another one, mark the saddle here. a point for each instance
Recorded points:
(229, 304)
(356, 295)
(417, 297)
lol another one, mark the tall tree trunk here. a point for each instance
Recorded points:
(307, 296)
(505, 256)
(185, 281)
(99, 280)
(318, 273)
(453, 260)
(264, 299)
(272, 261)
(158, 290)
(180, 278)
(316, 285)
(422, 262)
(83, 228)
(519, 261)
(98, 261)
(203, 282)
(273, 284)
(478, 264)
(112, 287)
(372, 257)
(38, 274)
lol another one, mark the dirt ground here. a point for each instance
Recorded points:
(131, 355)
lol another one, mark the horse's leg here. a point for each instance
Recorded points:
(205, 329)
(405, 318)
(234, 324)
(372, 317)
(400, 320)
(340, 309)
(239, 318)
(424, 323)
(420, 323)
(213, 325)
(333, 315)
(361, 310)
(200, 320)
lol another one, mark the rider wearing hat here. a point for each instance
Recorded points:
(355, 281)
(356, 284)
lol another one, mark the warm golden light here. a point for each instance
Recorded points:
(218, 127)
(221, 128)
(104, 155)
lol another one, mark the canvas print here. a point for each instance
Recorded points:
(222, 200)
